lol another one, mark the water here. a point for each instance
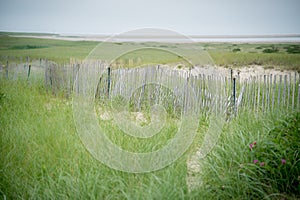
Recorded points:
(172, 39)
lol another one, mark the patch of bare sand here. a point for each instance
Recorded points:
(243, 73)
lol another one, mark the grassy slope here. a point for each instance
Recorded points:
(221, 53)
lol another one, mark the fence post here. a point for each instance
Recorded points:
(234, 96)
(29, 68)
(108, 80)
(27, 60)
(50, 76)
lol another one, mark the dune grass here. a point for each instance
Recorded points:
(43, 158)
(246, 165)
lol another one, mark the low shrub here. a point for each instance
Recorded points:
(293, 49)
(270, 50)
(278, 156)
(27, 47)
(236, 50)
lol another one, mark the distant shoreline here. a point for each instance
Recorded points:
(292, 38)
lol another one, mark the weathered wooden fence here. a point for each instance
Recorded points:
(267, 92)
(214, 89)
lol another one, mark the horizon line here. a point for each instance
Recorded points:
(154, 36)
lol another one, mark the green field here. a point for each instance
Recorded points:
(55, 50)
(41, 156)
(278, 56)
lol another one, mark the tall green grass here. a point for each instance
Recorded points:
(233, 170)
(41, 156)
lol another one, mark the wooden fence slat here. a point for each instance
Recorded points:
(298, 100)
(284, 91)
(257, 92)
(263, 93)
(269, 81)
(288, 90)
(274, 92)
(293, 88)
(279, 88)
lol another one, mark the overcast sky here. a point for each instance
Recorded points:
(192, 17)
